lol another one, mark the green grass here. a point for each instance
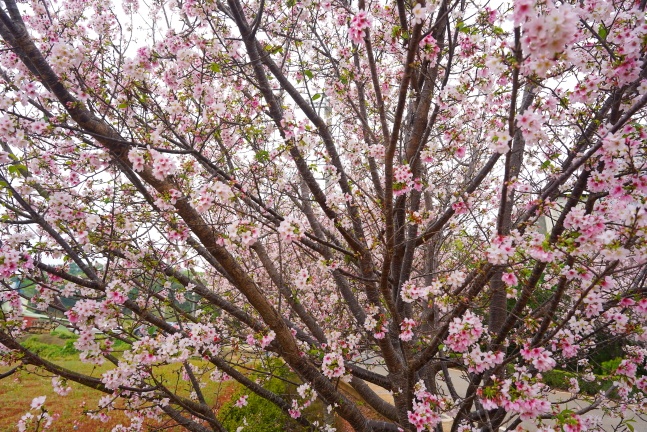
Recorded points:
(48, 350)
(259, 415)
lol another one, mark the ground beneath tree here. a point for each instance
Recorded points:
(18, 390)
(343, 426)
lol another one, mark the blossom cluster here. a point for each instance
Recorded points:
(42, 420)
(58, 384)
(540, 358)
(377, 323)
(241, 402)
(163, 164)
(307, 395)
(545, 34)
(478, 361)
(197, 339)
(403, 180)
(429, 51)
(332, 365)
(463, 332)
(358, 25)
(290, 229)
(137, 158)
(406, 329)
(207, 196)
(421, 12)
(499, 141)
(63, 56)
(411, 292)
(500, 249)
(426, 409)
(244, 230)
(12, 309)
(519, 396)
(340, 348)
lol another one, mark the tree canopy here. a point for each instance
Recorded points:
(366, 194)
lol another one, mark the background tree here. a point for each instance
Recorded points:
(368, 191)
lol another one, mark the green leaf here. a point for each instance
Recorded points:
(15, 169)
(274, 49)
(629, 425)
(565, 415)
(123, 105)
(316, 96)
(603, 31)
(215, 67)
(262, 156)
(308, 74)
(396, 32)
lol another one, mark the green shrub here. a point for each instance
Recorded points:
(606, 351)
(609, 367)
(559, 379)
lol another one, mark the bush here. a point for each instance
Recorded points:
(609, 367)
(608, 351)
(560, 380)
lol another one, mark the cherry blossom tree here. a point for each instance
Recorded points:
(365, 193)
